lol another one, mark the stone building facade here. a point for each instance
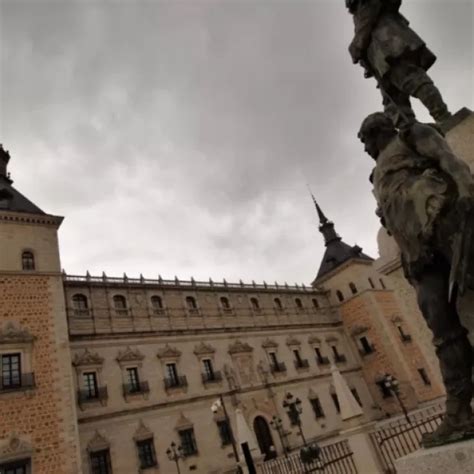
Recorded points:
(123, 367)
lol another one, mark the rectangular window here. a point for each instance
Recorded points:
(208, 369)
(146, 453)
(297, 356)
(335, 399)
(273, 359)
(424, 376)
(16, 467)
(335, 352)
(356, 396)
(100, 462)
(172, 373)
(317, 407)
(224, 432)
(90, 384)
(133, 380)
(318, 354)
(11, 371)
(366, 346)
(188, 441)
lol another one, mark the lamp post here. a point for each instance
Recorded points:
(175, 453)
(277, 424)
(392, 384)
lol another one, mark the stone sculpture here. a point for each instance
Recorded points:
(396, 56)
(425, 197)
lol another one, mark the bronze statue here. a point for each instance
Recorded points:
(425, 197)
(397, 57)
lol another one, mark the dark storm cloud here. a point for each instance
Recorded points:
(178, 137)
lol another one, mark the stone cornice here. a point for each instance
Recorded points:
(25, 218)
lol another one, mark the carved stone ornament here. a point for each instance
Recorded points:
(169, 352)
(332, 339)
(98, 443)
(269, 344)
(142, 432)
(239, 347)
(15, 448)
(183, 423)
(129, 355)
(358, 330)
(12, 333)
(87, 358)
(204, 349)
(293, 341)
(314, 340)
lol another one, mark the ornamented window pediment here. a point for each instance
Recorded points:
(169, 352)
(314, 340)
(142, 432)
(87, 358)
(129, 355)
(240, 347)
(183, 423)
(293, 341)
(12, 333)
(269, 344)
(15, 447)
(358, 330)
(204, 349)
(332, 339)
(98, 443)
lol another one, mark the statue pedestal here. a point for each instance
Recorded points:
(456, 458)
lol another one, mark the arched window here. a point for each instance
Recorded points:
(28, 260)
(255, 304)
(315, 303)
(371, 283)
(277, 303)
(156, 302)
(353, 288)
(339, 295)
(120, 305)
(299, 303)
(225, 303)
(80, 305)
(191, 302)
(382, 284)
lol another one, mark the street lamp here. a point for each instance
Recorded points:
(175, 453)
(277, 424)
(392, 384)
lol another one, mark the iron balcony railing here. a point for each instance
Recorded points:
(23, 381)
(322, 360)
(301, 364)
(278, 367)
(176, 382)
(96, 395)
(135, 388)
(216, 376)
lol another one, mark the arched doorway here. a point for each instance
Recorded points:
(264, 438)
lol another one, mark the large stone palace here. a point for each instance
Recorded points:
(100, 374)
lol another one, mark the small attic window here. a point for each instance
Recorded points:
(28, 261)
(353, 288)
(339, 295)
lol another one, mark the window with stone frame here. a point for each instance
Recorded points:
(22, 466)
(317, 407)
(424, 376)
(191, 303)
(224, 432)
(133, 379)
(353, 288)
(157, 304)
(278, 304)
(382, 284)
(80, 305)
(100, 462)
(225, 303)
(90, 385)
(10, 371)
(28, 261)
(371, 282)
(299, 303)
(146, 453)
(339, 295)
(355, 394)
(335, 400)
(255, 304)
(188, 441)
(367, 347)
(120, 305)
(315, 303)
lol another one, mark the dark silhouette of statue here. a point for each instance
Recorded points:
(396, 56)
(425, 197)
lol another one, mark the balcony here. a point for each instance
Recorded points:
(406, 338)
(301, 364)
(99, 394)
(24, 382)
(215, 377)
(278, 367)
(340, 359)
(322, 360)
(135, 389)
(179, 381)
(367, 350)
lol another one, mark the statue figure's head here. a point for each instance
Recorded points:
(376, 132)
(351, 5)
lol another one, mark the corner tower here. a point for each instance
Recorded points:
(38, 428)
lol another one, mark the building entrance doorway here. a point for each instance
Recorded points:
(264, 438)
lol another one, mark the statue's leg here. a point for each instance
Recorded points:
(397, 105)
(453, 350)
(414, 81)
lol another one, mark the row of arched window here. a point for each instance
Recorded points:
(81, 304)
(354, 290)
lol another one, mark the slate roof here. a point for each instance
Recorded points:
(13, 200)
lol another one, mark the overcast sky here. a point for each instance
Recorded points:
(178, 137)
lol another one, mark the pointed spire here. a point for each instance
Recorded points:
(326, 227)
(322, 218)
